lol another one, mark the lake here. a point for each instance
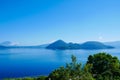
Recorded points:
(24, 62)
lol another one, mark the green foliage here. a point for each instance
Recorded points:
(42, 78)
(27, 78)
(72, 71)
(104, 66)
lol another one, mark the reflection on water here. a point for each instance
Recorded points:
(32, 62)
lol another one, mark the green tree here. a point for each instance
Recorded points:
(104, 66)
(72, 71)
(41, 78)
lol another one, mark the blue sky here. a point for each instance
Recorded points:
(33, 22)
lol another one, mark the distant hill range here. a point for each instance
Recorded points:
(60, 44)
(8, 43)
(115, 44)
(95, 45)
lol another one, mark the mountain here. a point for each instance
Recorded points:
(35, 46)
(95, 45)
(8, 43)
(115, 44)
(60, 44)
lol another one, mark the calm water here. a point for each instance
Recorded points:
(33, 62)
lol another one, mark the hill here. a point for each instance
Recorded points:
(60, 44)
(115, 44)
(95, 45)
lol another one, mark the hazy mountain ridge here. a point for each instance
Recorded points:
(60, 44)
(8, 43)
(115, 44)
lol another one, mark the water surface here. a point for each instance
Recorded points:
(32, 62)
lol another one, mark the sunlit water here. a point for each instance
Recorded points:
(34, 62)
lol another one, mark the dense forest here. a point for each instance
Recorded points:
(100, 66)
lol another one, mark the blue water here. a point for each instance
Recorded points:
(34, 62)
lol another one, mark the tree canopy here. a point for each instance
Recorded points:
(104, 66)
(72, 71)
(100, 66)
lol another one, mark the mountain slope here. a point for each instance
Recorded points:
(59, 44)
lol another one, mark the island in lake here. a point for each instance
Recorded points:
(60, 44)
